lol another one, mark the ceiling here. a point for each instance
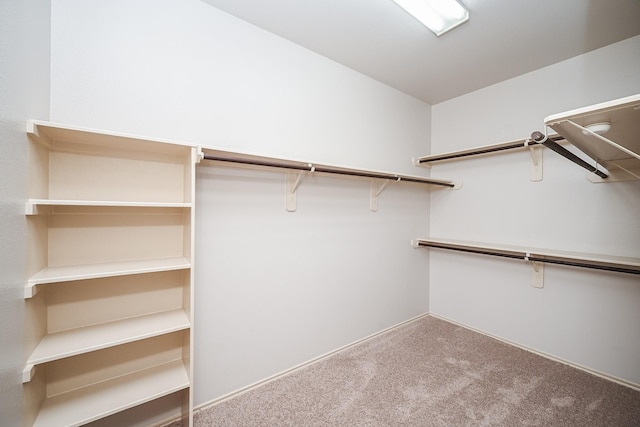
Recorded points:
(503, 38)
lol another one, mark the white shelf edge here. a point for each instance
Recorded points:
(591, 109)
(95, 337)
(100, 400)
(31, 206)
(529, 252)
(96, 271)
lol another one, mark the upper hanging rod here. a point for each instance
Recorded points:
(329, 169)
(477, 151)
(541, 138)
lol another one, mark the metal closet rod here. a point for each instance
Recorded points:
(309, 167)
(532, 257)
(551, 143)
(486, 150)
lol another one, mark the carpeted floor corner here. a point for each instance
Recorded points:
(430, 372)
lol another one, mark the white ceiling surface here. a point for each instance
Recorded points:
(503, 38)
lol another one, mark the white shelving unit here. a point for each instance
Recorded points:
(110, 288)
(617, 148)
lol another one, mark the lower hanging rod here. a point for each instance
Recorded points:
(536, 257)
(328, 169)
(551, 143)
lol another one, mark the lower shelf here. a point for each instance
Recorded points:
(95, 337)
(110, 269)
(105, 398)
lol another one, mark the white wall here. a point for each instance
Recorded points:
(186, 70)
(274, 289)
(277, 289)
(587, 317)
(24, 94)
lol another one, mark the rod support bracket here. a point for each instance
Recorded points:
(292, 182)
(535, 150)
(537, 272)
(416, 162)
(199, 154)
(376, 190)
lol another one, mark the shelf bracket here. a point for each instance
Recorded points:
(30, 291)
(615, 175)
(376, 190)
(537, 272)
(293, 181)
(31, 209)
(536, 160)
(603, 139)
(28, 373)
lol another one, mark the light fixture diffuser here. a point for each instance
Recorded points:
(439, 16)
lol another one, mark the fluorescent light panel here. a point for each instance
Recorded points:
(439, 16)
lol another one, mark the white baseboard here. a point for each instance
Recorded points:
(603, 375)
(286, 372)
(300, 366)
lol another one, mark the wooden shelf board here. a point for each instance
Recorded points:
(95, 337)
(95, 271)
(551, 255)
(100, 400)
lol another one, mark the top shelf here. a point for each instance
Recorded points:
(619, 147)
(72, 165)
(49, 132)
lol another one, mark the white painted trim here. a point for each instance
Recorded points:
(302, 365)
(602, 375)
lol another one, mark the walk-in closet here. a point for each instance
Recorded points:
(224, 213)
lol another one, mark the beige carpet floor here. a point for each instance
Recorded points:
(431, 373)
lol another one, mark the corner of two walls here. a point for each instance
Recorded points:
(585, 317)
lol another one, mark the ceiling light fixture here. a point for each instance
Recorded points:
(599, 128)
(439, 16)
